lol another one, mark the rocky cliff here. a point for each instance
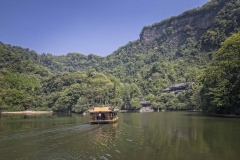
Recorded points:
(192, 36)
(193, 23)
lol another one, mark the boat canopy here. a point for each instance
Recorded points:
(102, 109)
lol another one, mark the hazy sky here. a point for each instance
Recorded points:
(85, 26)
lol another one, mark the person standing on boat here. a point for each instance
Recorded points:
(99, 116)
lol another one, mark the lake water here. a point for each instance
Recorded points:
(136, 136)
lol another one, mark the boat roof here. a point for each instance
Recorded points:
(102, 109)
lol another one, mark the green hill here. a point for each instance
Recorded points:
(178, 49)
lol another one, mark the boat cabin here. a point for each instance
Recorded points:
(103, 115)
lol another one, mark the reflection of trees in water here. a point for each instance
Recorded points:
(14, 122)
(106, 132)
(171, 135)
(201, 137)
(185, 136)
(1, 125)
(220, 135)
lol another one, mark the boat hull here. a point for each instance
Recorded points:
(103, 121)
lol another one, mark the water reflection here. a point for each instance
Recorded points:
(163, 135)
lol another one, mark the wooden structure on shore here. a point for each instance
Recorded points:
(146, 106)
(100, 115)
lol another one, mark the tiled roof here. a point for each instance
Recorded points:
(102, 109)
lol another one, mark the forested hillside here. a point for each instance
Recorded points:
(179, 49)
(220, 82)
(20, 78)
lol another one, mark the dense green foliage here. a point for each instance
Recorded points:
(20, 79)
(13, 59)
(75, 82)
(226, 22)
(18, 92)
(220, 90)
(68, 63)
(78, 91)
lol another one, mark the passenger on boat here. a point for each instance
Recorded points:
(103, 117)
(99, 116)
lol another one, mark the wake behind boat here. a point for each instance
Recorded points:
(103, 115)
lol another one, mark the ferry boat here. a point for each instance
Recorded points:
(104, 114)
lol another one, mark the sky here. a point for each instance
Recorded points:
(85, 26)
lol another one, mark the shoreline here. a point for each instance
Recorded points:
(27, 112)
(226, 115)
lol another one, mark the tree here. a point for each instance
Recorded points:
(135, 103)
(220, 81)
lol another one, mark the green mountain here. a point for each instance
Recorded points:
(178, 49)
(193, 35)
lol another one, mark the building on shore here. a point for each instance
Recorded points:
(146, 106)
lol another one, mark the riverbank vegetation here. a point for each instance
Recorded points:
(75, 82)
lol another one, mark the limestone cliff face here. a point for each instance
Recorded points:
(200, 23)
(197, 21)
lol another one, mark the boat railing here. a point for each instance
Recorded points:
(107, 117)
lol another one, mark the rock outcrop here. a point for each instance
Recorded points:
(180, 87)
(193, 23)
